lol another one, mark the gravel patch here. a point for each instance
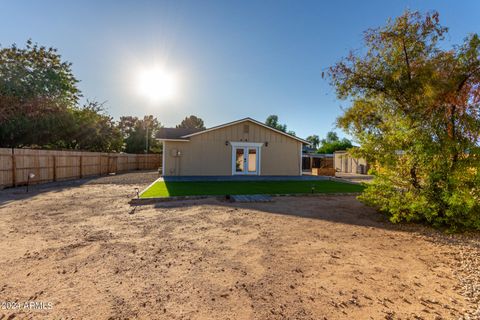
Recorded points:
(467, 268)
(465, 262)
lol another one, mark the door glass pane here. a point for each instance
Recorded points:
(239, 160)
(252, 160)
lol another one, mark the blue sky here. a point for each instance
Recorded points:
(234, 58)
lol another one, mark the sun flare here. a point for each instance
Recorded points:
(157, 84)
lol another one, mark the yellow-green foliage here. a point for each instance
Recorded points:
(415, 114)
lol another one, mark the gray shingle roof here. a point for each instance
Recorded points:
(175, 133)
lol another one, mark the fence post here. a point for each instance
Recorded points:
(81, 166)
(54, 168)
(106, 171)
(14, 169)
(103, 157)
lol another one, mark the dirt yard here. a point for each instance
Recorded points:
(83, 251)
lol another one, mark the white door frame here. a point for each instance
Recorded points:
(246, 145)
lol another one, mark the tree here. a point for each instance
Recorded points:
(92, 129)
(314, 140)
(192, 122)
(272, 121)
(332, 143)
(37, 92)
(39, 104)
(135, 134)
(415, 114)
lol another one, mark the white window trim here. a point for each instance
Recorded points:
(163, 158)
(240, 144)
(245, 144)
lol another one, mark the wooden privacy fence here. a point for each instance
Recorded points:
(52, 165)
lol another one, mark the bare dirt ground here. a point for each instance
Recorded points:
(81, 247)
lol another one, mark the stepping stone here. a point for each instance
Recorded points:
(251, 198)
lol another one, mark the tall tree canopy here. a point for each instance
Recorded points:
(37, 91)
(314, 140)
(92, 129)
(36, 73)
(135, 134)
(192, 122)
(333, 143)
(272, 121)
(39, 104)
(415, 113)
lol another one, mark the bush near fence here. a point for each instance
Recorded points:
(53, 165)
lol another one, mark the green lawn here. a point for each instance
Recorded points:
(166, 189)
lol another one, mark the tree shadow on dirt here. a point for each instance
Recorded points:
(20, 193)
(128, 178)
(337, 209)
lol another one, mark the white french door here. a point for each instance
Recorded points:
(246, 159)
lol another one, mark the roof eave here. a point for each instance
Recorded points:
(177, 140)
(243, 120)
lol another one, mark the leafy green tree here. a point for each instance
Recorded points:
(135, 134)
(39, 104)
(192, 122)
(93, 130)
(37, 72)
(415, 114)
(314, 140)
(332, 143)
(272, 121)
(37, 92)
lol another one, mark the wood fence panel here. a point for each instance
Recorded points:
(68, 165)
(132, 163)
(122, 164)
(55, 165)
(90, 165)
(6, 173)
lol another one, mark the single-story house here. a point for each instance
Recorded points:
(242, 147)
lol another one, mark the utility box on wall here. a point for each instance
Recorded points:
(175, 153)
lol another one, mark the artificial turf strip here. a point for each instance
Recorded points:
(170, 189)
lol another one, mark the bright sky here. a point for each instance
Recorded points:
(231, 59)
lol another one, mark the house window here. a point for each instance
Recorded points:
(246, 128)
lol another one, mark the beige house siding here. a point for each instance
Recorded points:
(206, 154)
(345, 163)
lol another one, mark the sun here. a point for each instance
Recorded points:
(157, 84)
